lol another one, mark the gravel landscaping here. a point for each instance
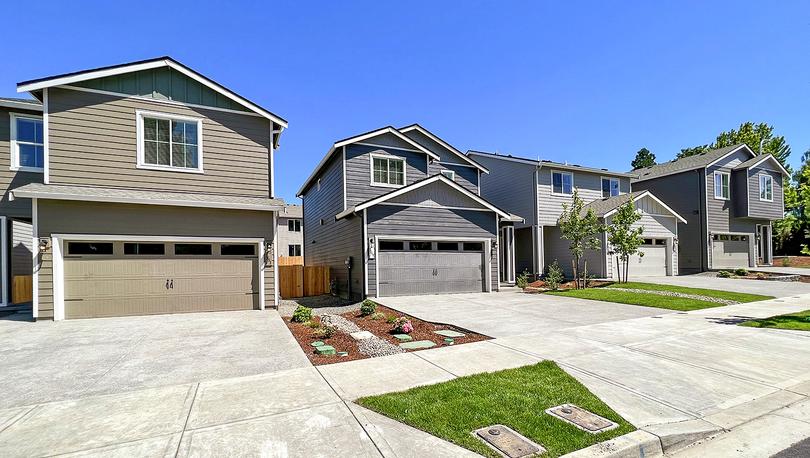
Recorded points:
(320, 305)
(677, 294)
(371, 347)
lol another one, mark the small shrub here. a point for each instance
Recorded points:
(724, 274)
(786, 262)
(522, 280)
(313, 324)
(377, 316)
(761, 276)
(554, 276)
(403, 325)
(391, 319)
(368, 307)
(740, 272)
(302, 314)
(324, 332)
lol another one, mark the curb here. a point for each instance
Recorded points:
(639, 443)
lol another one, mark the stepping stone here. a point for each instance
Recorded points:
(325, 350)
(581, 418)
(449, 341)
(361, 335)
(403, 337)
(343, 353)
(449, 333)
(417, 344)
(317, 343)
(507, 442)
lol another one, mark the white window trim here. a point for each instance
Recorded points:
(373, 156)
(293, 221)
(770, 180)
(450, 174)
(14, 147)
(612, 179)
(293, 245)
(141, 164)
(720, 197)
(572, 183)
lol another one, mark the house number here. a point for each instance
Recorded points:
(170, 283)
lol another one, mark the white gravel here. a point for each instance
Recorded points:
(371, 347)
(677, 294)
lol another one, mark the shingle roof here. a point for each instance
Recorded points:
(19, 100)
(20, 104)
(605, 205)
(684, 164)
(291, 211)
(551, 164)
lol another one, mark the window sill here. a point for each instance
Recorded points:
(27, 169)
(385, 185)
(722, 198)
(561, 194)
(169, 169)
(765, 200)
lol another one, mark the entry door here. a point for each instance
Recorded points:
(507, 254)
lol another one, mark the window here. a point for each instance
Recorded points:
(27, 143)
(90, 248)
(610, 187)
(447, 246)
(294, 250)
(168, 142)
(144, 249)
(766, 188)
(387, 171)
(721, 185)
(473, 246)
(389, 245)
(562, 183)
(294, 225)
(237, 249)
(451, 175)
(420, 246)
(193, 249)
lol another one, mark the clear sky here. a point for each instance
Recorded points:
(583, 82)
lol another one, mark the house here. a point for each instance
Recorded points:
(149, 189)
(730, 198)
(398, 212)
(290, 231)
(538, 189)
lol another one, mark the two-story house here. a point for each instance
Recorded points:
(291, 232)
(152, 192)
(538, 189)
(398, 212)
(730, 197)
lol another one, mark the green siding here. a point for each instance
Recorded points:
(163, 84)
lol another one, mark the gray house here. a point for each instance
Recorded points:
(398, 212)
(290, 231)
(538, 189)
(729, 197)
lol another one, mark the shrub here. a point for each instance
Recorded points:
(391, 319)
(786, 262)
(554, 276)
(724, 274)
(740, 272)
(368, 307)
(761, 276)
(377, 316)
(324, 332)
(302, 314)
(403, 325)
(522, 280)
(313, 324)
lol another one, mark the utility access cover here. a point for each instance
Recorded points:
(581, 418)
(508, 443)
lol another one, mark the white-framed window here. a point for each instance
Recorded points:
(294, 225)
(169, 142)
(387, 171)
(562, 183)
(450, 174)
(294, 250)
(722, 187)
(610, 187)
(766, 187)
(27, 143)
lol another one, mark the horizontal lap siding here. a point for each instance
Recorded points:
(760, 208)
(467, 177)
(510, 186)
(358, 170)
(437, 193)
(556, 249)
(589, 186)
(10, 179)
(93, 141)
(721, 217)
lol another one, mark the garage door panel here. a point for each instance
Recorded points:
(653, 263)
(156, 304)
(730, 253)
(413, 273)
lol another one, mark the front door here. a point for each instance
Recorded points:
(763, 247)
(507, 254)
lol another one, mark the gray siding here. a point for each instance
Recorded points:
(10, 179)
(287, 238)
(93, 142)
(436, 194)
(739, 189)
(556, 248)
(466, 176)
(510, 186)
(358, 170)
(720, 212)
(523, 250)
(763, 209)
(589, 185)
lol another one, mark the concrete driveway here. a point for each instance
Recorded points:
(711, 281)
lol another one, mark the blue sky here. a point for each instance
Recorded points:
(583, 82)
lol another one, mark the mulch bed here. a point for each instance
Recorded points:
(793, 261)
(341, 341)
(540, 285)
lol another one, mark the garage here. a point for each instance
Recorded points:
(120, 278)
(414, 267)
(730, 250)
(654, 261)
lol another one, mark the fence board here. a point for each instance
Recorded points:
(22, 289)
(302, 281)
(291, 260)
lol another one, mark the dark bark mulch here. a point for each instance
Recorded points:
(341, 341)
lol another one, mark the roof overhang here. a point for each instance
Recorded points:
(21, 105)
(657, 200)
(444, 144)
(71, 78)
(769, 157)
(552, 165)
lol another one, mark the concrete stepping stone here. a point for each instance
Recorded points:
(317, 343)
(343, 353)
(403, 337)
(449, 341)
(325, 350)
(361, 335)
(450, 333)
(417, 344)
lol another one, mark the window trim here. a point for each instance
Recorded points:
(769, 178)
(291, 247)
(293, 222)
(562, 172)
(389, 157)
(728, 176)
(610, 187)
(14, 146)
(141, 163)
(449, 174)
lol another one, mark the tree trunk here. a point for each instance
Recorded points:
(626, 267)
(585, 275)
(618, 269)
(574, 269)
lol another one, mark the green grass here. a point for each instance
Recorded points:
(796, 321)
(514, 397)
(738, 297)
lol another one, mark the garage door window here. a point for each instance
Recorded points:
(447, 246)
(90, 248)
(388, 245)
(473, 246)
(144, 249)
(193, 249)
(238, 249)
(420, 246)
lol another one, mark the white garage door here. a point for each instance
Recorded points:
(654, 261)
(420, 267)
(730, 251)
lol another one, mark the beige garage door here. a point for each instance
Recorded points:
(654, 261)
(105, 279)
(730, 251)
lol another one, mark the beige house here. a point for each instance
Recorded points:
(150, 191)
(291, 231)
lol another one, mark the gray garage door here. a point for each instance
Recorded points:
(654, 261)
(730, 251)
(105, 279)
(417, 267)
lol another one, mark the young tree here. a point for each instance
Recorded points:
(644, 158)
(581, 229)
(624, 239)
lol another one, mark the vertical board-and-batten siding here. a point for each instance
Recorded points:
(358, 168)
(510, 186)
(588, 185)
(10, 179)
(93, 141)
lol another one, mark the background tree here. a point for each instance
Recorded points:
(752, 135)
(581, 229)
(624, 239)
(644, 158)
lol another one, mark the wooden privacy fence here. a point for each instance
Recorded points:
(302, 281)
(22, 289)
(291, 260)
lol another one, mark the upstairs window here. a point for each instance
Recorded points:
(387, 171)
(610, 187)
(766, 188)
(169, 142)
(449, 174)
(562, 183)
(294, 225)
(294, 250)
(27, 143)
(721, 185)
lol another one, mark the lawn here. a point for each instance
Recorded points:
(515, 397)
(608, 294)
(796, 321)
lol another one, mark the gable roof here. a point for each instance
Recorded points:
(444, 144)
(291, 211)
(759, 159)
(22, 104)
(684, 164)
(607, 206)
(165, 61)
(540, 163)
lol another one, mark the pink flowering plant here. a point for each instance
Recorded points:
(403, 325)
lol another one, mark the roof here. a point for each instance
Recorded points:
(165, 61)
(684, 164)
(551, 164)
(23, 104)
(759, 159)
(291, 211)
(607, 206)
(132, 196)
(444, 144)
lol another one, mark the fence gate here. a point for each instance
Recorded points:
(303, 281)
